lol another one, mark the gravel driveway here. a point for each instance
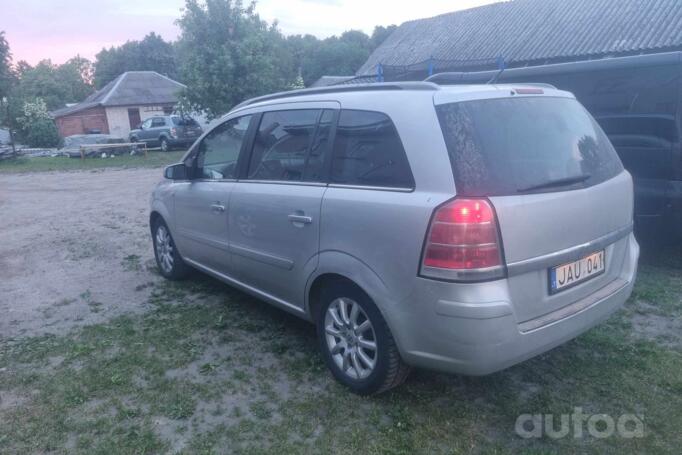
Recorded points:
(74, 248)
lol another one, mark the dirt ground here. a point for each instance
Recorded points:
(74, 247)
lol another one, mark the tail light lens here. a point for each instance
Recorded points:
(463, 242)
(174, 132)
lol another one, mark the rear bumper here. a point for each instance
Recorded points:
(478, 339)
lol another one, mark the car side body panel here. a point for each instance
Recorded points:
(375, 236)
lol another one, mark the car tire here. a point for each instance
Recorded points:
(168, 259)
(165, 146)
(345, 340)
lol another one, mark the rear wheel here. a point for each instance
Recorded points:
(165, 146)
(356, 342)
(167, 256)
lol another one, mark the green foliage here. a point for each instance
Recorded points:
(297, 83)
(7, 80)
(336, 55)
(37, 127)
(43, 134)
(6, 75)
(228, 54)
(380, 34)
(55, 84)
(150, 54)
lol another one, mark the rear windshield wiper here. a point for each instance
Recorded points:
(556, 183)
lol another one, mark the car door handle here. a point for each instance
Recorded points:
(217, 208)
(300, 219)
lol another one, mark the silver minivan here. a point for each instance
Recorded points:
(462, 229)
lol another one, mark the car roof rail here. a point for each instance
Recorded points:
(463, 78)
(378, 86)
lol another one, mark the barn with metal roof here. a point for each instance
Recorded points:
(521, 33)
(120, 105)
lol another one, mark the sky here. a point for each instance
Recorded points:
(61, 29)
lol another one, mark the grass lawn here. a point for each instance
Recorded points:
(61, 163)
(211, 370)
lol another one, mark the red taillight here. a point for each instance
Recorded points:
(463, 236)
(174, 132)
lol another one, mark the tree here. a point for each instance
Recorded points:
(336, 55)
(228, 54)
(6, 75)
(380, 34)
(56, 85)
(81, 71)
(150, 54)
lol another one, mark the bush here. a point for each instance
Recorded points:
(37, 127)
(42, 133)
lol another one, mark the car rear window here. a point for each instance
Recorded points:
(184, 121)
(506, 146)
(368, 152)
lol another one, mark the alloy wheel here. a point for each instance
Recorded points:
(351, 339)
(164, 249)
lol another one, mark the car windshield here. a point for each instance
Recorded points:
(505, 146)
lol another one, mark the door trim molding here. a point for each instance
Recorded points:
(266, 258)
(203, 239)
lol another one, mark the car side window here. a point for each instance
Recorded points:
(147, 123)
(157, 122)
(368, 152)
(281, 145)
(219, 150)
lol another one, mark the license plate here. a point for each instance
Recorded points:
(567, 275)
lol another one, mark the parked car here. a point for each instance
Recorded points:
(638, 102)
(461, 229)
(167, 132)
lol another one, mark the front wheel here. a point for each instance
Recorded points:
(356, 342)
(167, 256)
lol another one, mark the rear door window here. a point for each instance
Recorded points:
(509, 146)
(368, 152)
(281, 145)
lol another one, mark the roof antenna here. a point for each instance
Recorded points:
(501, 66)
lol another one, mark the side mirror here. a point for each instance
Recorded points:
(176, 172)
